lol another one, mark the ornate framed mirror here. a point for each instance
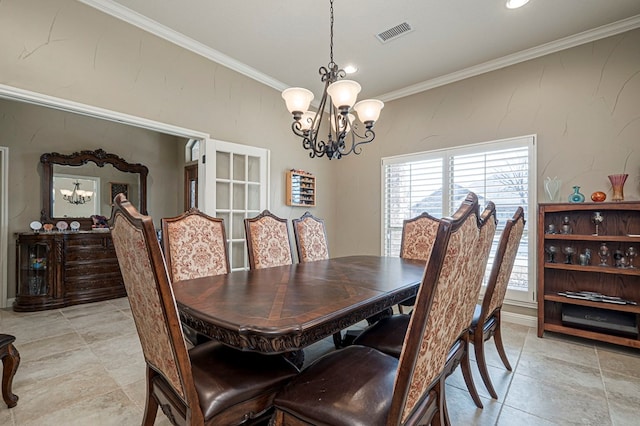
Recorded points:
(79, 185)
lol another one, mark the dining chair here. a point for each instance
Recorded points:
(360, 385)
(487, 319)
(388, 334)
(311, 244)
(211, 384)
(268, 241)
(418, 234)
(311, 238)
(10, 362)
(194, 245)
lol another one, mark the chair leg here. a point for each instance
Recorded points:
(443, 414)
(151, 405)
(465, 365)
(10, 361)
(337, 340)
(478, 346)
(497, 339)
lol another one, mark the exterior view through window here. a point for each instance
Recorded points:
(436, 182)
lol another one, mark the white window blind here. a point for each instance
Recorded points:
(436, 182)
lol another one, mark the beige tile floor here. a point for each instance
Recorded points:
(83, 365)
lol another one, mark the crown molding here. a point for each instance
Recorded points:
(522, 56)
(120, 12)
(40, 99)
(134, 18)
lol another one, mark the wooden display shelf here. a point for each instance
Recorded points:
(593, 335)
(635, 309)
(594, 268)
(619, 230)
(301, 189)
(600, 238)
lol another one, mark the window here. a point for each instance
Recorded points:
(192, 150)
(437, 182)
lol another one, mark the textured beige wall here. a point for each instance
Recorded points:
(29, 131)
(583, 103)
(68, 50)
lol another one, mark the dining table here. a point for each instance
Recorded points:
(287, 308)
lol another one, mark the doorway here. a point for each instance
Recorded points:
(190, 186)
(21, 95)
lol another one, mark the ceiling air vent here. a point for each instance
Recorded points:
(394, 32)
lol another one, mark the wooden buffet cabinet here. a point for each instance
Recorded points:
(58, 269)
(615, 320)
(62, 268)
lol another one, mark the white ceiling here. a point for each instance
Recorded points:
(282, 43)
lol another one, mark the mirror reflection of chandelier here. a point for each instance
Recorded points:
(339, 97)
(77, 196)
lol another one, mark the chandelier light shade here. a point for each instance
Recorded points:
(337, 105)
(344, 93)
(369, 110)
(297, 99)
(77, 196)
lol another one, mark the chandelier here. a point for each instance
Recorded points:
(77, 196)
(344, 137)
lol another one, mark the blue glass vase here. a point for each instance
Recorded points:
(577, 196)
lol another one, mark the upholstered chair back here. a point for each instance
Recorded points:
(488, 223)
(268, 241)
(418, 235)
(194, 245)
(311, 238)
(503, 262)
(151, 299)
(448, 282)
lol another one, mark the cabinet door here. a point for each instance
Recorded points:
(34, 268)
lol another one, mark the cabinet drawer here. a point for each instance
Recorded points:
(90, 267)
(106, 282)
(97, 255)
(88, 240)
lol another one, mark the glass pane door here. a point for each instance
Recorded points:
(241, 189)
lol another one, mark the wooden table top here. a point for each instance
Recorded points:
(287, 308)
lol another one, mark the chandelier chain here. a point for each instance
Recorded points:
(331, 33)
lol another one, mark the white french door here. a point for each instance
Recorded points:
(236, 186)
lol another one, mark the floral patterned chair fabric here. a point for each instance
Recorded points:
(311, 238)
(191, 386)
(449, 317)
(268, 241)
(194, 245)
(487, 319)
(384, 389)
(418, 235)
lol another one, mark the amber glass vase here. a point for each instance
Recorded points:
(617, 184)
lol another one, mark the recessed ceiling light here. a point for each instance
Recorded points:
(514, 4)
(350, 69)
